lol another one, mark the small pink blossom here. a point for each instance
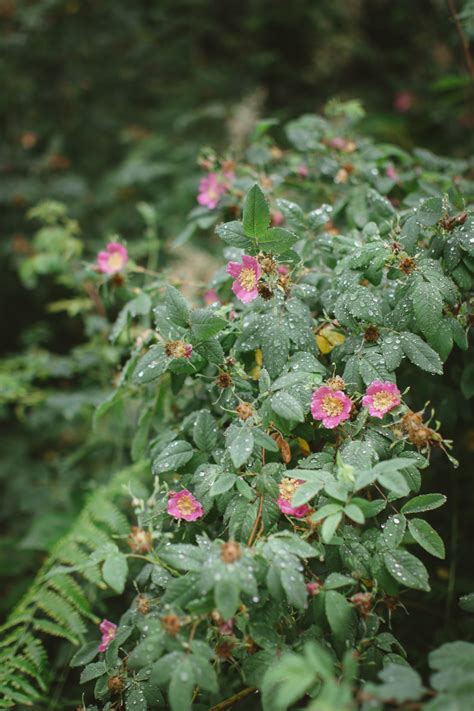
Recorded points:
(211, 297)
(313, 588)
(338, 142)
(391, 173)
(381, 397)
(287, 488)
(330, 406)
(109, 630)
(210, 190)
(183, 504)
(226, 628)
(403, 101)
(303, 171)
(283, 269)
(277, 218)
(246, 276)
(113, 259)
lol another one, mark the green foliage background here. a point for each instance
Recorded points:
(106, 105)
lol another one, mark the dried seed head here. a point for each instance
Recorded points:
(371, 334)
(224, 650)
(231, 552)
(265, 291)
(244, 410)
(336, 383)
(407, 265)
(223, 380)
(268, 264)
(284, 282)
(178, 349)
(139, 540)
(171, 624)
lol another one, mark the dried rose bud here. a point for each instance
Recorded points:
(264, 291)
(371, 334)
(336, 383)
(143, 604)
(139, 540)
(178, 349)
(244, 410)
(231, 552)
(115, 685)
(407, 265)
(224, 650)
(267, 263)
(171, 624)
(223, 380)
(283, 446)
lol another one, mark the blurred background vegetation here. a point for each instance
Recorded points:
(105, 106)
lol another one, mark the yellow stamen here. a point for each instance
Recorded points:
(382, 400)
(185, 505)
(287, 488)
(247, 279)
(332, 406)
(115, 260)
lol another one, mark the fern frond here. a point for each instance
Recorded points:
(56, 604)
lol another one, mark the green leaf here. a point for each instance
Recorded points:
(115, 571)
(287, 406)
(293, 584)
(92, 671)
(420, 353)
(394, 530)
(427, 537)
(151, 365)
(232, 233)
(330, 525)
(256, 214)
(85, 654)
(224, 482)
(392, 351)
(467, 381)
(277, 240)
(262, 439)
(395, 482)
(354, 513)
(240, 445)
(406, 569)
(173, 457)
(428, 307)
(400, 683)
(305, 492)
(341, 618)
(182, 684)
(226, 595)
(205, 323)
(177, 307)
(424, 502)
(466, 602)
(205, 431)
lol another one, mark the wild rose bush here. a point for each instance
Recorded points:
(284, 517)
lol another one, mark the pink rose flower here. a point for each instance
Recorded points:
(109, 630)
(246, 276)
(210, 191)
(287, 488)
(277, 218)
(211, 297)
(183, 504)
(303, 171)
(330, 406)
(403, 101)
(338, 142)
(313, 588)
(391, 173)
(283, 269)
(113, 259)
(381, 397)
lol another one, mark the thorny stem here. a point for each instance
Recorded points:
(462, 36)
(232, 700)
(257, 521)
(155, 561)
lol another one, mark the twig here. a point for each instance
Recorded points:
(257, 520)
(462, 36)
(232, 700)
